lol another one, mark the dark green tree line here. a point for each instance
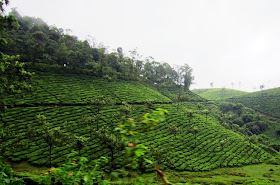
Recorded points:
(37, 43)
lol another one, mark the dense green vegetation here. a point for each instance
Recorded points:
(188, 151)
(108, 114)
(49, 88)
(265, 101)
(218, 93)
(38, 43)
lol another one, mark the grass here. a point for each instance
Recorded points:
(251, 174)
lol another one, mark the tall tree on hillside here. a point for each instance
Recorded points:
(89, 121)
(185, 77)
(112, 142)
(124, 111)
(52, 136)
(13, 77)
(79, 142)
(188, 78)
(97, 105)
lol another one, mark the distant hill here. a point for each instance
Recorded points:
(266, 101)
(218, 93)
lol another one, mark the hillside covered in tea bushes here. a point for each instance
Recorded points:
(116, 113)
(192, 138)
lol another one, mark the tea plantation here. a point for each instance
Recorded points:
(80, 89)
(211, 147)
(266, 101)
(196, 142)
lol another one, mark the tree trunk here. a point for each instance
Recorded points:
(112, 158)
(50, 156)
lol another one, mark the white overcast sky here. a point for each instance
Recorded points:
(224, 41)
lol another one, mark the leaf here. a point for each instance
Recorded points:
(148, 161)
(2, 68)
(139, 152)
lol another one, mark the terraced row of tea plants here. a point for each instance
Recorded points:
(218, 93)
(266, 101)
(197, 144)
(51, 88)
(200, 144)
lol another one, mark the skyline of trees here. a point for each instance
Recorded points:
(38, 43)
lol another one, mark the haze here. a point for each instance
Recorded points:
(234, 44)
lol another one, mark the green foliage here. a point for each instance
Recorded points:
(181, 156)
(131, 131)
(51, 136)
(247, 121)
(79, 170)
(7, 175)
(39, 43)
(266, 101)
(72, 89)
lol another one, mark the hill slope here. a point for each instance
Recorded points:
(187, 151)
(266, 101)
(49, 88)
(200, 142)
(218, 93)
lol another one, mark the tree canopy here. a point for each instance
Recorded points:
(38, 44)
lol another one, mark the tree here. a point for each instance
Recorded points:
(44, 131)
(79, 142)
(13, 77)
(89, 121)
(7, 22)
(97, 105)
(185, 76)
(262, 87)
(112, 142)
(124, 111)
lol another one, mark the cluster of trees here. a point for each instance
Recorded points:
(36, 42)
(242, 118)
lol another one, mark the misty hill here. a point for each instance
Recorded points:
(218, 93)
(265, 101)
